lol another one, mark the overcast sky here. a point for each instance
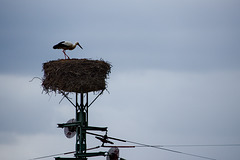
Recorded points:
(174, 81)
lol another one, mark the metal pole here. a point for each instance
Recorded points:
(81, 128)
(78, 128)
(81, 132)
(86, 106)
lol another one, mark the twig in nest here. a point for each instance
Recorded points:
(36, 78)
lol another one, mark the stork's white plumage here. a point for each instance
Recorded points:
(65, 45)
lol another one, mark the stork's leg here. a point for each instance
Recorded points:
(66, 55)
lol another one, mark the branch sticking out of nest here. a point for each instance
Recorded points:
(75, 75)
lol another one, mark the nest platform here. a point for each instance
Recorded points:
(75, 75)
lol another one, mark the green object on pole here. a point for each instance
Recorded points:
(81, 117)
(81, 125)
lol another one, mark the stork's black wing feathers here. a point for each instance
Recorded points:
(60, 45)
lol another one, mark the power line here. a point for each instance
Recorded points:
(198, 145)
(152, 146)
(170, 150)
(195, 145)
(59, 154)
(53, 155)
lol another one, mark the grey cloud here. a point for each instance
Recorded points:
(170, 35)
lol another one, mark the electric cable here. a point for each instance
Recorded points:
(152, 146)
(197, 145)
(53, 155)
(170, 150)
(59, 154)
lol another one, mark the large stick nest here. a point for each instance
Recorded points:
(75, 75)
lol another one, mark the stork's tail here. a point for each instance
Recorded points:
(56, 47)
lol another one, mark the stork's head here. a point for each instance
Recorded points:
(79, 45)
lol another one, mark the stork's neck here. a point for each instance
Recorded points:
(74, 46)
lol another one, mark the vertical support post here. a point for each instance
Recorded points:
(81, 128)
(86, 108)
(78, 128)
(81, 145)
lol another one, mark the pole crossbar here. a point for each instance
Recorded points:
(68, 99)
(95, 98)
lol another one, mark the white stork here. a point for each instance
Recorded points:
(65, 45)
